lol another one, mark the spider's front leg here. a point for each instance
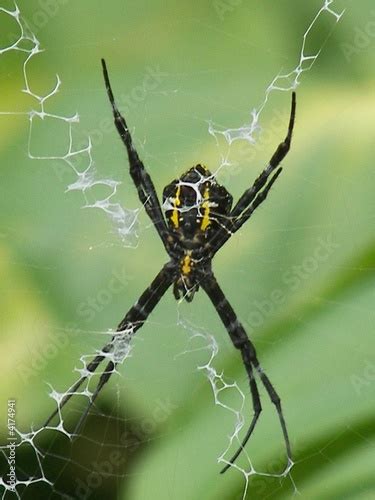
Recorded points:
(282, 150)
(258, 192)
(241, 342)
(141, 178)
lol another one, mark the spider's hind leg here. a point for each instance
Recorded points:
(257, 407)
(104, 377)
(91, 368)
(250, 360)
(241, 342)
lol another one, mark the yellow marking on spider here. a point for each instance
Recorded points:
(177, 202)
(206, 209)
(186, 264)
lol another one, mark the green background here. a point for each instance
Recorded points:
(316, 343)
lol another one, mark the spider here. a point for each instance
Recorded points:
(199, 220)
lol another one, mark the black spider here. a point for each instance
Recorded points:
(200, 219)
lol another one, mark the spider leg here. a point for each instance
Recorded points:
(142, 180)
(280, 153)
(247, 202)
(257, 407)
(260, 197)
(104, 377)
(132, 321)
(91, 367)
(241, 341)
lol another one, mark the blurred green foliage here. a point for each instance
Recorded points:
(313, 241)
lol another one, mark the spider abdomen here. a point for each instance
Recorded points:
(194, 204)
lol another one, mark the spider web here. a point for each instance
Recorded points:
(78, 158)
(125, 222)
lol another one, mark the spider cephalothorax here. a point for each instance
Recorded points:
(199, 220)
